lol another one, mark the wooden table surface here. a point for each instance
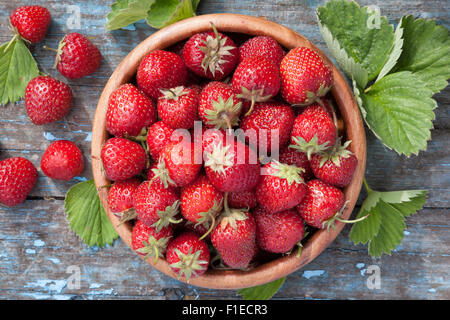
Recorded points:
(38, 250)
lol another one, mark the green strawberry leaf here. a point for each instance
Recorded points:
(262, 292)
(399, 110)
(426, 52)
(390, 233)
(348, 64)
(368, 228)
(158, 13)
(17, 68)
(365, 36)
(166, 12)
(126, 12)
(195, 4)
(383, 228)
(395, 53)
(86, 215)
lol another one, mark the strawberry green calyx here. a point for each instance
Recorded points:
(225, 114)
(215, 50)
(220, 158)
(154, 248)
(254, 95)
(331, 222)
(230, 216)
(189, 264)
(126, 215)
(314, 97)
(290, 173)
(173, 93)
(58, 51)
(337, 152)
(16, 35)
(162, 173)
(167, 216)
(309, 147)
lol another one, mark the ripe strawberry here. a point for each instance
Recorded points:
(305, 77)
(31, 22)
(322, 205)
(278, 232)
(208, 137)
(151, 176)
(122, 159)
(235, 238)
(262, 46)
(269, 126)
(155, 205)
(47, 99)
(129, 111)
(158, 135)
(120, 198)
(188, 256)
(211, 55)
(218, 106)
(281, 188)
(201, 202)
(160, 70)
(244, 199)
(62, 160)
(178, 107)
(256, 79)
(149, 242)
(313, 131)
(77, 56)
(297, 158)
(179, 164)
(335, 166)
(17, 178)
(231, 166)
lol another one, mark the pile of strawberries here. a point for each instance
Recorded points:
(223, 153)
(220, 155)
(47, 100)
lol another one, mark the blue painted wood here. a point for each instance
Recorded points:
(37, 246)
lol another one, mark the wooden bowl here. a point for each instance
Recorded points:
(234, 279)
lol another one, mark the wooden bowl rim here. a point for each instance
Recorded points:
(226, 22)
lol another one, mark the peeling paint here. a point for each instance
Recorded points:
(95, 285)
(54, 260)
(49, 136)
(48, 284)
(39, 243)
(308, 274)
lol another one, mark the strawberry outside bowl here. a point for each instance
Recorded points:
(341, 92)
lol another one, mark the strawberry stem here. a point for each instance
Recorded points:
(51, 49)
(213, 224)
(352, 221)
(250, 110)
(16, 36)
(367, 186)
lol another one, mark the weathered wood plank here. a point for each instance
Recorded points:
(37, 247)
(385, 170)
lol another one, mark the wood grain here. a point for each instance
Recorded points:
(417, 270)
